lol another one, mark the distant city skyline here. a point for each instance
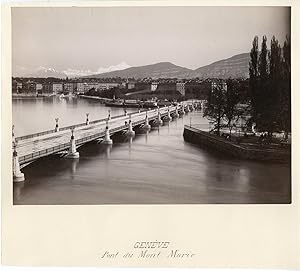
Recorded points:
(81, 41)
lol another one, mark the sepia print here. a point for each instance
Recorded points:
(151, 105)
(150, 134)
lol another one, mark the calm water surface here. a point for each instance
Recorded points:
(154, 168)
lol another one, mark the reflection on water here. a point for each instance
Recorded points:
(38, 114)
(154, 167)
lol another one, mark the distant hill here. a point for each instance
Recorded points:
(158, 70)
(233, 67)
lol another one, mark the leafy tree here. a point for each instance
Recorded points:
(253, 79)
(285, 94)
(214, 109)
(263, 109)
(270, 86)
(272, 102)
(231, 100)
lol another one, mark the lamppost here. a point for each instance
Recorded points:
(72, 131)
(56, 125)
(87, 118)
(13, 133)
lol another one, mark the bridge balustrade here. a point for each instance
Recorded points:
(78, 125)
(80, 141)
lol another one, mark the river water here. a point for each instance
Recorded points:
(157, 167)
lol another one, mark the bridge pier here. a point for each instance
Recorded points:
(187, 109)
(181, 110)
(130, 131)
(107, 140)
(109, 117)
(72, 153)
(176, 114)
(168, 117)
(18, 176)
(147, 125)
(159, 120)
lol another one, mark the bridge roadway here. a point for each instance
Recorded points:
(33, 147)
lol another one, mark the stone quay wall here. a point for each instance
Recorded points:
(216, 143)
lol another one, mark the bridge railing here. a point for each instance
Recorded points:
(79, 125)
(45, 152)
(80, 141)
(69, 127)
(35, 135)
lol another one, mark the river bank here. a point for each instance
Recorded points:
(242, 151)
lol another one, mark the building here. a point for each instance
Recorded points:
(103, 86)
(57, 88)
(29, 88)
(80, 87)
(154, 86)
(69, 87)
(130, 85)
(39, 86)
(16, 87)
(91, 85)
(144, 91)
(180, 87)
(47, 89)
(217, 85)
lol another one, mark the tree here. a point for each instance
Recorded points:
(272, 105)
(285, 93)
(253, 79)
(263, 112)
(270, 86)
(232, 98)
(214, 109)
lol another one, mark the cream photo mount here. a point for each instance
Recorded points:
(203, 235)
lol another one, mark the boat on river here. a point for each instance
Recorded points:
(115, 103)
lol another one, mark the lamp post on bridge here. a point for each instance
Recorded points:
(56, 125)
(13, 133)
(87, 122)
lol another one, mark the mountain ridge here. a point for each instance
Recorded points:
(157, 70)
(233, 67)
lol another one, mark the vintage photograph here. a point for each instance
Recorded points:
(151, 105)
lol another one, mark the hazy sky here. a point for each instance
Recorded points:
(91, 38)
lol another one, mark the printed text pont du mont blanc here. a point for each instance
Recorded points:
(148, 250)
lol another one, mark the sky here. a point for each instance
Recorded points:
(92, 40)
